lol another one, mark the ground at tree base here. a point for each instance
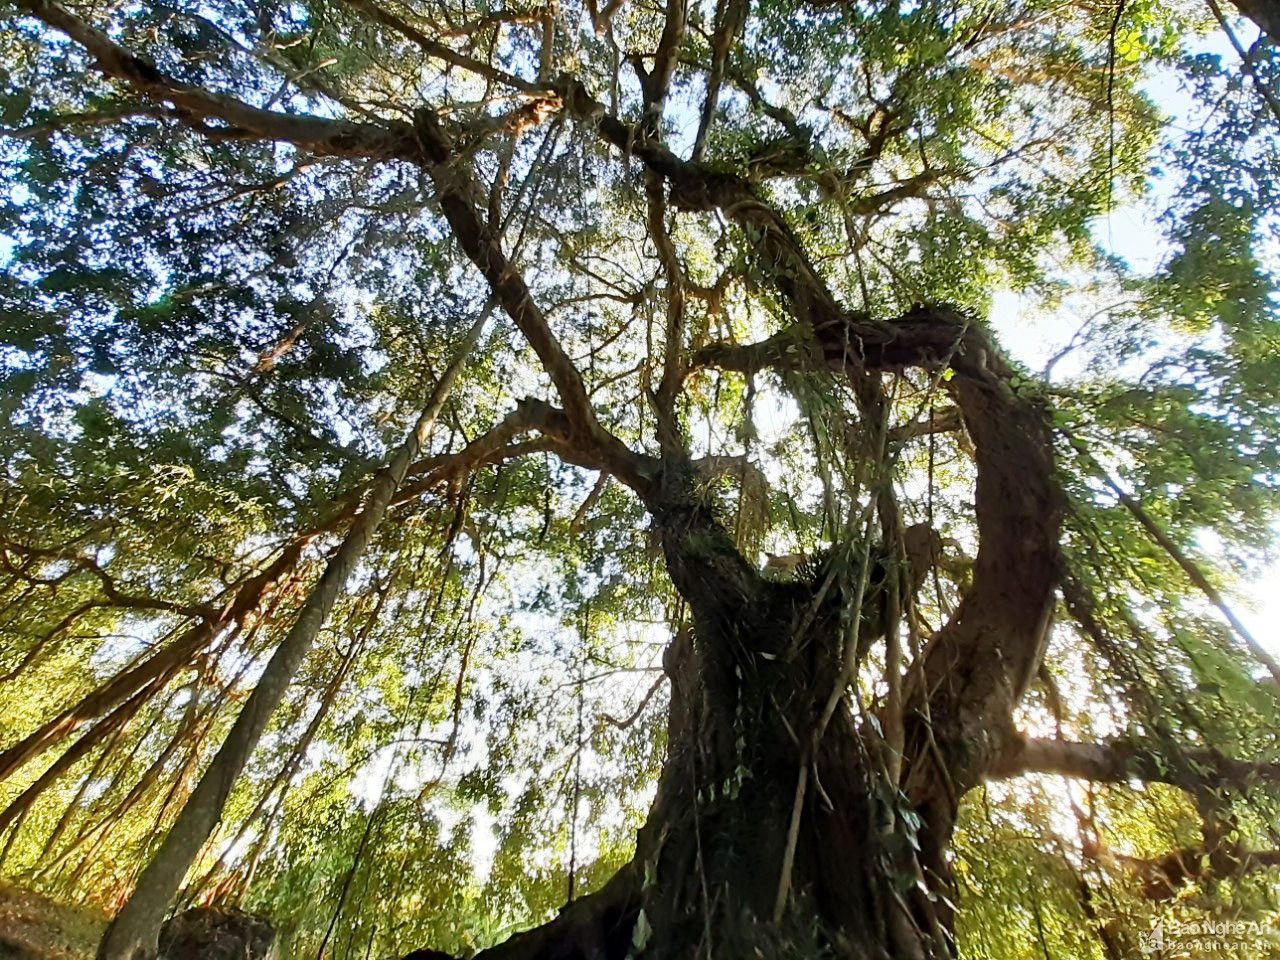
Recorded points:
(34, 927)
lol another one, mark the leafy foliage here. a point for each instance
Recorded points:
(211, 341)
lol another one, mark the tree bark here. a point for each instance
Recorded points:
(728, 828)
(1264, 13)
(779, 827)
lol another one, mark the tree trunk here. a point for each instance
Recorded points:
(736, 821)
(134, 932)
(764, 839)
(1264, 13)
(782, 828)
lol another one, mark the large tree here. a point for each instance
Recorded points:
(745, 265)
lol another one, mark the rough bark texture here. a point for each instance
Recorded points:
(772, 834)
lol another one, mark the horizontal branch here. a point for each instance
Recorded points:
(114, 594)
(1165, 876)
(782, 351)
(1122, 761)
(195, 106)
(499, 443)
(944, 420)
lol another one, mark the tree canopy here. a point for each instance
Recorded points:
(721, 501)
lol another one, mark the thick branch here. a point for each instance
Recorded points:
(782, 351)
(1120, 761)
(196, 107)
(945, 420)
(457, 190)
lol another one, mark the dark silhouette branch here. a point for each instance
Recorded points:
(440, 51)
(1123, 761)
(224, 116)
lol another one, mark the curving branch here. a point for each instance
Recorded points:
(433, 48)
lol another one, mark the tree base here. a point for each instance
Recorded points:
(208, 933)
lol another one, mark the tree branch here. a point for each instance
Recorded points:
(1193, 573)
(998, 631)
(195, 107)
(457, 192)
(115, 595)
(1120, 761)
(1165, 876)
(439, 50)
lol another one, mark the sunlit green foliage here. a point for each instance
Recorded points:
(207, 343)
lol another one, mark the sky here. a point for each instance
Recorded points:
(1132, 232)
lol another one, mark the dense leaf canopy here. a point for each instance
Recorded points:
(230, 278)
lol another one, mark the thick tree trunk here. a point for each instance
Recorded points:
(763, 840)
(778, 829)
(730, 828)
(768, 833)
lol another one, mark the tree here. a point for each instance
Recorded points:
(742, 256)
